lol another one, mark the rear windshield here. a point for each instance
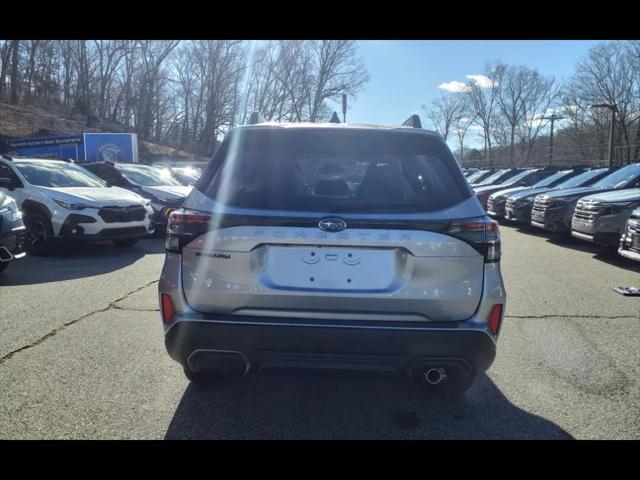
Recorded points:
(335, 171)
(620, 178)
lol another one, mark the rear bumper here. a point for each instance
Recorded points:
(251, 345)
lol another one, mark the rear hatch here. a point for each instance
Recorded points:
(332, 223)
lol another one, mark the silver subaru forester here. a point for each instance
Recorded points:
(333, 246)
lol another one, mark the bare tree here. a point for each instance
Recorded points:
(15, 57)
(606, 75)
(109, 54)
(541, 95)
(336, 70)
(462, 122)
(482, 97)
(443, 112)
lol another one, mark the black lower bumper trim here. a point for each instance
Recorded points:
(105, 234)
(247, 347)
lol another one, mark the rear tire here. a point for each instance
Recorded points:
(39, 237)
(126, 242)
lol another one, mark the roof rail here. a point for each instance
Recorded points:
(413, 121)
(334, 118)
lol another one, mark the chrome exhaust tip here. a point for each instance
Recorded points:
(434, 376)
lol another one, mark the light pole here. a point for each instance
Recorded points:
(553, 118)
(613, 108)
(344, 108)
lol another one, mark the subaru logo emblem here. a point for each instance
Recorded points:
(332, 224)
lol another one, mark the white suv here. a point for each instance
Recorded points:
(61, 199)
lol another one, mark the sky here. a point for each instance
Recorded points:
(406, 74)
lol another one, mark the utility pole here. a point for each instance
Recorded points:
(553, 118)
(612, 125)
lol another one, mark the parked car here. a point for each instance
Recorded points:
(320, 246)
(480, 175)
(62, 200)
(519, 204)
(630, 239)
(12, 229)
(496, 203)
(523, 178)
(553, 211)
(186, 175)
(602, 218)
(496, 178)
(163, 191)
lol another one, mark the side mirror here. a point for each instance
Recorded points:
(7, 183)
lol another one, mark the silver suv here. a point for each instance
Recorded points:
(333, 246)
(602, 218)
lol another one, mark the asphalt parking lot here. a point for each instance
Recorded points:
(82, 356)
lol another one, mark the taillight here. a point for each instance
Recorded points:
(481, 233)
(183, 226)
(167, 308)
(494, 318)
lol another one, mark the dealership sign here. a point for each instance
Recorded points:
(111, 147)
(89, 147)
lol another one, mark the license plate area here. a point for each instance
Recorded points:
(325, 268)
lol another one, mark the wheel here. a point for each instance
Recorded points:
(39, 237)
(126, 242)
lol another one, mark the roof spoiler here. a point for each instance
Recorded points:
(413, 121)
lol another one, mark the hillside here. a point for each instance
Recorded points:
(21, 121)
